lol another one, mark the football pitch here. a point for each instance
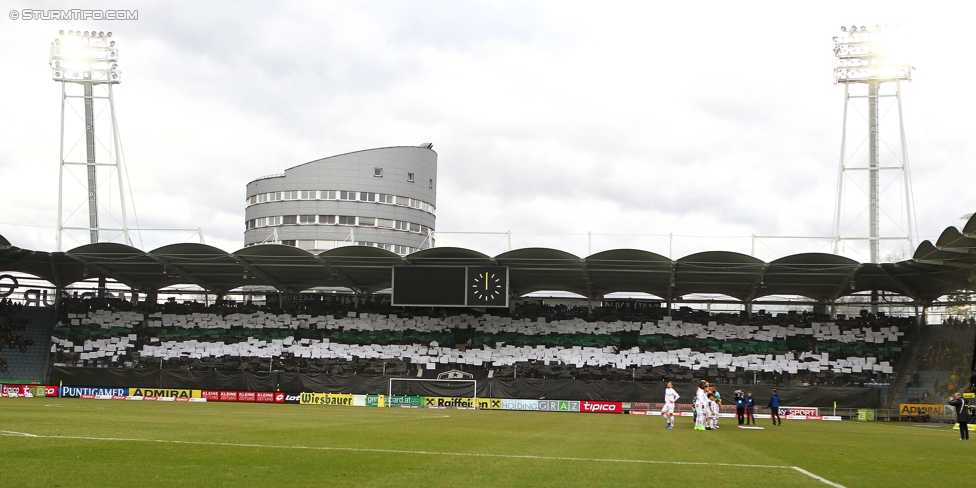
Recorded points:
(72, 442)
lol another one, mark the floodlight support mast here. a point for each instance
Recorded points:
(88, 59)
(864, 60)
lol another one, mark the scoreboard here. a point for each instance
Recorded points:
(450, 286)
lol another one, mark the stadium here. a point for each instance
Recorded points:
(340, 344)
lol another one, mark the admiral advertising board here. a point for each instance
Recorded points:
(164, 393)
(919, 409)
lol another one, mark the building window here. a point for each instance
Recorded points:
(367, 221)
(262, 198)
(347, 220)
(274, 196)
(309, 194)
(431, 185)
(401, 225)
(384, 198)
(327, 219)
(385, 223)
(414, 227)
(378, 172)
(274, 220)
(253, 199)
(289, 220)
(290, 195)
(306, 219)
(366, 196)
(327, 194)
(288, 242)
(347, 195)
(410, 177)
(402, 201)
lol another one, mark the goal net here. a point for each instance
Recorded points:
(439, 393)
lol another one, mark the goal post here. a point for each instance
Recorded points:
(433, 385)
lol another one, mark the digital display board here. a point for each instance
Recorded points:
(450, 286)
(428, 286)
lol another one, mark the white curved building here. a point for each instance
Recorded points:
(378, 197)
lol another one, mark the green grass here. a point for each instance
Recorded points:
(284, 447)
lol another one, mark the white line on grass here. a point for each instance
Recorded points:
(822, 480)
(422, 453)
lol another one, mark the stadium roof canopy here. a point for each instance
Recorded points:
(935, 269)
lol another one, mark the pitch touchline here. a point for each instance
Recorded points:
(422, 453)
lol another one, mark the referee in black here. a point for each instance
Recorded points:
(962, 415)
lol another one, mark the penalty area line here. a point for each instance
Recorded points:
(818, 478)
(420, 453)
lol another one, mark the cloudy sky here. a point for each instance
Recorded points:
(630, 120)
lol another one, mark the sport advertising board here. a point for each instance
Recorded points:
(799, 411)
(590, 406)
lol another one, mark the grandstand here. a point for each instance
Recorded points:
(359, 332)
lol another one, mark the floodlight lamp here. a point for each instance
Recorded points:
(843, 28)
(85, 59)
(61, 32)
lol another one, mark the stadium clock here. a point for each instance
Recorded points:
(487, 287)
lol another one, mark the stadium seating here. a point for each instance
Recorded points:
(528, 343)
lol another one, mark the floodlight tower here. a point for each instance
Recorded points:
(868, 58)
(87, 60)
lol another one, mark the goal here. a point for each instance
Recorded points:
(455, 388)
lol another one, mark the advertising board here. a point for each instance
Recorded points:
(590, 406)
(559, 406)
(84, 391)
(489, 404)
(264, 397)
(804, 411)
(919, 409)
(448, 402)
(332, 399)
(509, 404)
(164, 393)
(405, 401)
(246, 396)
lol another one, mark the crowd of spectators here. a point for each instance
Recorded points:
(463, 337)
(11, 324)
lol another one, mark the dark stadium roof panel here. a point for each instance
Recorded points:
(933, 271)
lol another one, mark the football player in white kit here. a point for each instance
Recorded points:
(670, 397)
(701, 405)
